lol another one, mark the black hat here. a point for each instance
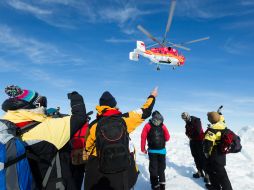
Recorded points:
(107, 99)
(15, 104)
(157, 118)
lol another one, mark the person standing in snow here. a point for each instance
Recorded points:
(156, 133)
(101, 172)
(216, 160)
(195, 133)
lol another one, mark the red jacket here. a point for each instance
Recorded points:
(145, 132)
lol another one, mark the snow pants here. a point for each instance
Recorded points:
(218, 176)
(157, 166)
(78, 174)
(196, 148)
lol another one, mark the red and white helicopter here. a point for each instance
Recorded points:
(162, 55)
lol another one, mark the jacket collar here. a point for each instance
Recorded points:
(107, 111)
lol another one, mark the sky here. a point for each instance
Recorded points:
(57, 46)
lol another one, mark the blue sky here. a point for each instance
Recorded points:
(56, 46)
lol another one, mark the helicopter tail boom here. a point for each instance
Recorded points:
(141, 46)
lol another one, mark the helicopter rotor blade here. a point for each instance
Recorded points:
(142, 29)
(151, 45)
(170, 18)
(197, 40)
(182, 47)
(178, 46)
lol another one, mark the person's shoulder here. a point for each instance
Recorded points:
(194, 118)
(147, 125)
(164, 127)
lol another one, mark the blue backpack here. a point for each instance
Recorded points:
(15, 172)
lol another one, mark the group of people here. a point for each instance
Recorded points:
(107, 156)
(205, 149)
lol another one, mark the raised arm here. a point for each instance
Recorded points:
(78, 110)
(134, 118)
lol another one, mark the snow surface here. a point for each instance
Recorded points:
(180, 164)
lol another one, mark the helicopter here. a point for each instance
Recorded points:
(164, 54)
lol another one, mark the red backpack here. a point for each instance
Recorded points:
(79, 139)
(78, 142)
(230, 142)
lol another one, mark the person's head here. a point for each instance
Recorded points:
(22, 99)
(186, 116)
(157, 119)
(213, 117)
(107, 99)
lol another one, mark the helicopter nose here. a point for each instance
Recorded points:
(181, 64)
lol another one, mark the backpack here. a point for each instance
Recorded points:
(112, 144)
(230, 142)
(79, 155)
(78, 142)
(15, 172)
(156, 138)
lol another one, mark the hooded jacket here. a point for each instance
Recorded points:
(194, 130)
(212, 140)
(95, 179)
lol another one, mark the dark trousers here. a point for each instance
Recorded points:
(196, 148)
(218, 176)
(157, 166)
(96, 180)
(78, 174)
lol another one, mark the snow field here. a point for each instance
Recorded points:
(180, 164)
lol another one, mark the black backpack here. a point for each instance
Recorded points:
(230, 142)
(156, 138)
(112, 144)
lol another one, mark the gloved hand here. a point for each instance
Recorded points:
(75, 98)
(72, 95)
(155, 92)
(77, 102)
(144, 151)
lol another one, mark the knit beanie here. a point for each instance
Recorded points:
(213, 117)
(107, 99)
(22, 98)
(157, 119)
(185, 116)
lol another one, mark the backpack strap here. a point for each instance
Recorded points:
(21, 131)
(46, 177)
(59, 185)
(14, 161)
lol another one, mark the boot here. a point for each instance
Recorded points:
(206, 179)
(210, 187)
(162, 186)
(198, 174)
(156, 187)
